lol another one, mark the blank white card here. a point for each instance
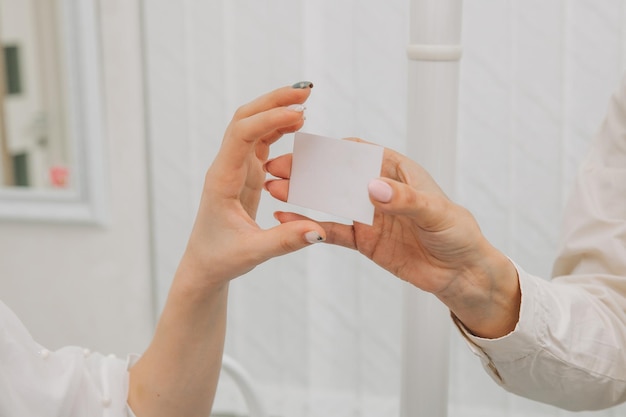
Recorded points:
(332, 175)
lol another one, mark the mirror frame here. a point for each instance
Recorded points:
(87, 200)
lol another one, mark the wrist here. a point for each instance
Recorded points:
(486, 296)
(196, 281)
(195, 306)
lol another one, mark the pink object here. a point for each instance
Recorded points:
(59, 176)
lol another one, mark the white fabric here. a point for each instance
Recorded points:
(69, 382)
(569, 346)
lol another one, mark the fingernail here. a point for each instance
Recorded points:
(266, 185)
(380, 191)
(266, 163)
(297, 107)
(303, 84)
(313, 237)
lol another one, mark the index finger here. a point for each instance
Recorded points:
(281, 97)
(242, 136)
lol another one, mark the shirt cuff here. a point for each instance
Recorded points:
(132, 359)
(523, 340)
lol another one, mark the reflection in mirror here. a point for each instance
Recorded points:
(34, 137)
(51, 124)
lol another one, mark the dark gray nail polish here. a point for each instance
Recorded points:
(303, 84)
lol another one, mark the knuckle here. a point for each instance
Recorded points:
(410, 199)
(288, 245)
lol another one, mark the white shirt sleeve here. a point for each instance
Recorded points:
(69, 382)
(569, 346)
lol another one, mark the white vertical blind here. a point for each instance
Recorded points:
(321, 330)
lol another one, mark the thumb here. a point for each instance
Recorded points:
(288, 237)
(393, 197)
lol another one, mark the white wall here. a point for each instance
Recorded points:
(90, 285)
(320, 330)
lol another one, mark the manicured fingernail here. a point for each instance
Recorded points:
(303, 84)
(380, 191)
(297, 107)
(313, 237)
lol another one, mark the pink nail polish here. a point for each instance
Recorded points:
(380, 191)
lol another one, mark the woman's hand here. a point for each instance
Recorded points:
(178, 373)
(424, 238)
(226, 241)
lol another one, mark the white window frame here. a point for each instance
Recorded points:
(87, 201)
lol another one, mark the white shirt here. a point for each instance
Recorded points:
(69, 382)
(569, 346)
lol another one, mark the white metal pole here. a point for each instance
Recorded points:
(433, 74)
